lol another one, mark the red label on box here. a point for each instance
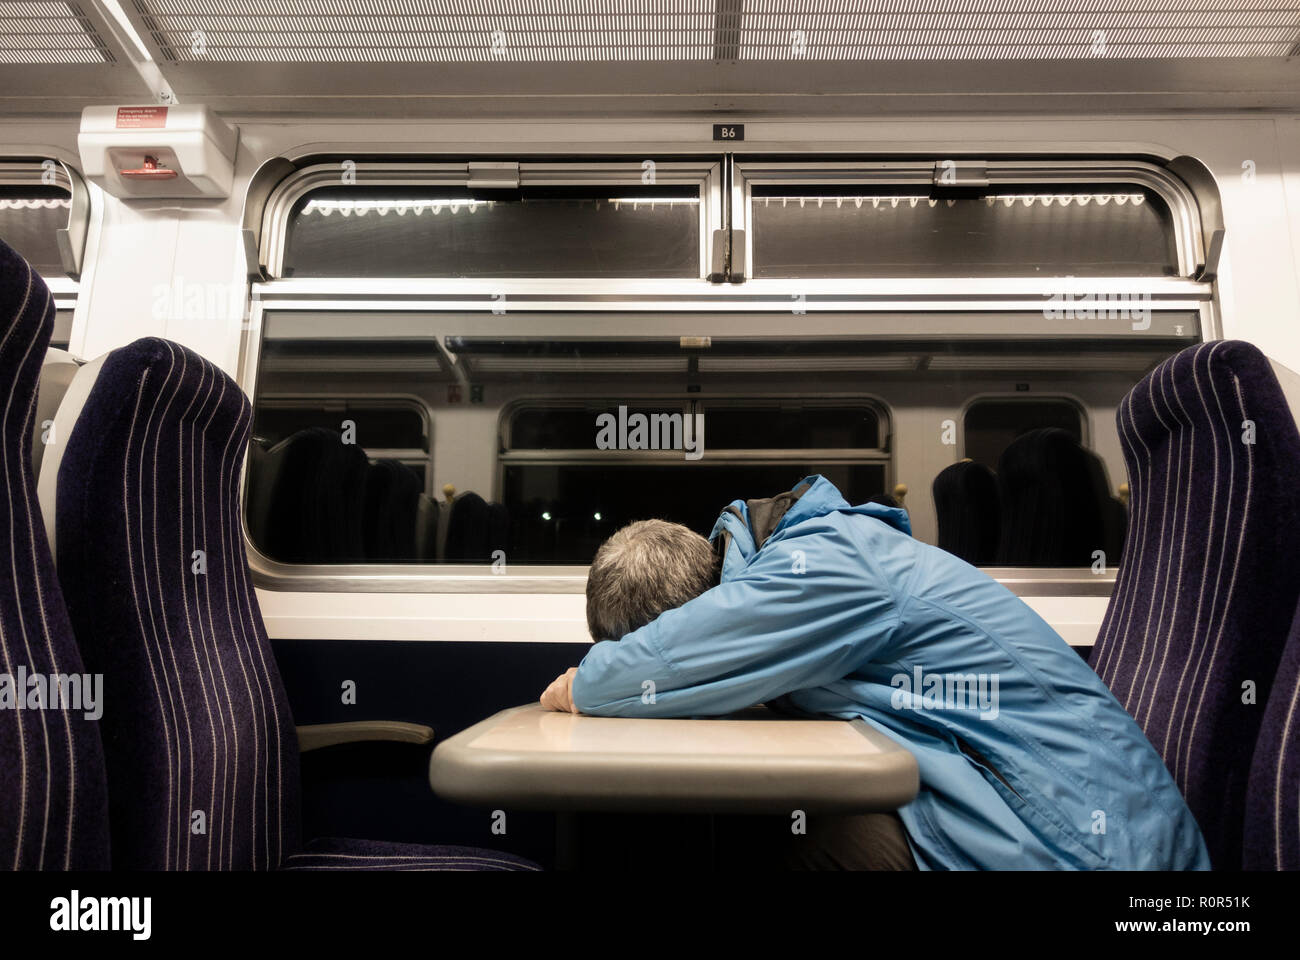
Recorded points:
(141, 118)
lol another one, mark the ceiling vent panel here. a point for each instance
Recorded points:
(1017, 29)
(429, 31)
(48, 34)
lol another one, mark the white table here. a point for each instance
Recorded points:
(752, 762)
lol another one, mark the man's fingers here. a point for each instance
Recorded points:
(556, 696)
(568, 687)
(559, 695)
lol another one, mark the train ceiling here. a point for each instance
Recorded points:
(620, 57)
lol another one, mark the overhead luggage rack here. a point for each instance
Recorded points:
(635, 57)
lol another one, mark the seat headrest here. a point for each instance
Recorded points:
(26, 325)
(56, 376)
(70, 407)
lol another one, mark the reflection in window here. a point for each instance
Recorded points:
(383, 426)
(535, 481)
(992, 424)
(1028, 493)
(1013, 233)
(563, 505)
(340, 482)
(618, 231)
(1056, 504)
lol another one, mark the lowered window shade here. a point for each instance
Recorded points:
(850, 232)
(612, 231)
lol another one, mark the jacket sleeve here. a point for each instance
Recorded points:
(789, 622)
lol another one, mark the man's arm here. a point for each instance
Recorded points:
(772, 631)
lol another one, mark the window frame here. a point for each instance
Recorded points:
(920, 174)
(574, 307)
(71, 238)
(705, 174)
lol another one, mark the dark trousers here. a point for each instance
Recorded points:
(865, 841)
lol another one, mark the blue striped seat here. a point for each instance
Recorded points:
(1272, 835)
(1208, 581)
(202, 753)
(53, 808)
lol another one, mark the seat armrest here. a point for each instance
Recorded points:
(313, 736)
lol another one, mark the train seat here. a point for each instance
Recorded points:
(56, 375)
(53, 800)
(1052, 505)
(1272, 827)
(1207, 585)
(967, 509)
(427, 512)
(475, 529)
(313, 489)
(202, 752)
(392, 503)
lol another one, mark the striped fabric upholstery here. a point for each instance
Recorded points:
(201, 749)
(53, 807)
(1273, 797)
(323, 855)
(1208, 580)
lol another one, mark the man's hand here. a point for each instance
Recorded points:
(559, 695)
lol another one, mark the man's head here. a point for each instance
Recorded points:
(642, 570)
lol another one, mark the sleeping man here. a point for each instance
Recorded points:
(822, 609)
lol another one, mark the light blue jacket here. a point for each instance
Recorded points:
(840, 612)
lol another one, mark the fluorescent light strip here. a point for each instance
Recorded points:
(579, 364)
(401, 207)
(1008, 199)
(34, 203)
(777, 365)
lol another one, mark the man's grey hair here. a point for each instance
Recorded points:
(644, 569)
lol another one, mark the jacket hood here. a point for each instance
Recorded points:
(745, 525)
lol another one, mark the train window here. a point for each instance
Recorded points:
(978, 391)
(44, 215)
(573, 473)
(1016, 231)
(963, 219)
(30, 219)
(992, 424)
(642, 221)
(340, 480)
